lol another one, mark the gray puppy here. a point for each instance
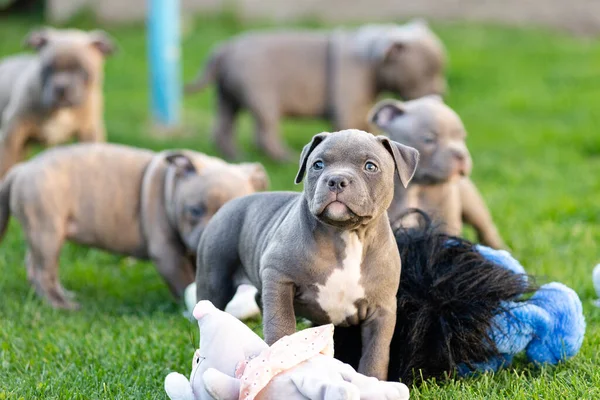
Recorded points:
(120, 199)
(441, 185)
(53, 95)
(335, 75)
(327, 254)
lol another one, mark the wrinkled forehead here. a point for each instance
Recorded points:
(64, 59)
(67, 46)
(215, 195)
(351, 147)
(68, 37)
(429, 115)
(215, 182)
(447, 123)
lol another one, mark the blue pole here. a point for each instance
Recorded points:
(164, 54)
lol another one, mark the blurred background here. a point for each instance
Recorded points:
(581, 16)
(524, 75)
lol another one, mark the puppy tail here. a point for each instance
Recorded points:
(208, 74)
(5, 186)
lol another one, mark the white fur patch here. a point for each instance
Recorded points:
(60, 127)
(342, 289)
(243, 305)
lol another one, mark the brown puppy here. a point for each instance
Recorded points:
(441, 186)
(53, 95)
(121, 199)
(335, 75)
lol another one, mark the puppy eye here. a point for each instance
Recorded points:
(318, 165)
(84, 74)
(429, 140)
(371, 167)
(196, 211)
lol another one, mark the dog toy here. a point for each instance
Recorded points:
(234, 363)
(549, 328)
(596, 280)
(462, 309)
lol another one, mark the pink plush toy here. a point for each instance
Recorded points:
(234, 363)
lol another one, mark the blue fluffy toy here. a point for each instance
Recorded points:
(549, 327)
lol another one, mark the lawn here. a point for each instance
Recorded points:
(530, 100)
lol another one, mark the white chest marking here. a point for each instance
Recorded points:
(60, 127)
(342, 288)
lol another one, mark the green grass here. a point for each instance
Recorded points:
(530, 101)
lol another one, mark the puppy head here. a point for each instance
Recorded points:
(198, 191)
(431, 127)
(350, 175)
(71, 62)
(410, 58)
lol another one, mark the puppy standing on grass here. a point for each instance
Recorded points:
(327, 254)
(120, 199)
(441, 185)
(334, 75)
(53, 95)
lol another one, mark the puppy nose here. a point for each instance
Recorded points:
(337, 183)
(60, 91)
(460, 156)
(464, 162)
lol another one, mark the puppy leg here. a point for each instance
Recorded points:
(376, 333)
(41, 260)
(216, 264)
(279, 319)
(476, 213)
(176, 269)
(32, 278)
(91, 123)
(216, 284)
(12, 145)
(96, 132)
(223, 134)
(266, 116)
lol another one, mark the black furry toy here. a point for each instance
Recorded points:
(460, 309)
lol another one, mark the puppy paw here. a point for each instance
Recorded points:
(64, 304)
(243, 305)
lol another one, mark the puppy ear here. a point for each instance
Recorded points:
(405, 157)
(103, 42)
(182, 163)
(400, 38)
(37, 39)
(257, 175)
(316, 140)
(394, 48)
(384, 112)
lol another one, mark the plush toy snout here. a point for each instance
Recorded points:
(203, 308)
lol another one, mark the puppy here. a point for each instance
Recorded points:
(334, 75)
(54, 95)
(120, 199)
(327, 254)
(441, 186)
